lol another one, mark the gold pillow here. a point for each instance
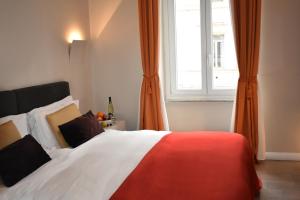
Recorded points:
(60, 117)
(8, 134)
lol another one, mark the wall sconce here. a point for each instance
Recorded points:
(73, 37)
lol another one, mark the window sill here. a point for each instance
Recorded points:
(200, 99)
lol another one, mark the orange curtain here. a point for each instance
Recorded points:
(150, 104)
(246, 20)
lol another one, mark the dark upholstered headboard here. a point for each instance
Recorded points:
(25, 99)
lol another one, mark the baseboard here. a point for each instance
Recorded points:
(282, 156)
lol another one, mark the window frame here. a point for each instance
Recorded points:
(207, 93)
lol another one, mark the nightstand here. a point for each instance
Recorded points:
(119, 125)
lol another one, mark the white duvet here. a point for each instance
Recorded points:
(94, 170)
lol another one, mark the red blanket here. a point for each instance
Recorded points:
(202, 166)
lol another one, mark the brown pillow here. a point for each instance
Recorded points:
(60, 117)
(8, 134)
(21, 158)
(90, 114)
(81, 129)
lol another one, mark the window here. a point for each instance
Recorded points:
(199, 50)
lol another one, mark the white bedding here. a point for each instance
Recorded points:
(39, 126)
(94, 170)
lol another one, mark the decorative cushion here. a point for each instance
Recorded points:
(90, 115)
(20, 121)
(81, 129)
(39, 126)
(21, 158)
(8, 134)
(60, 117)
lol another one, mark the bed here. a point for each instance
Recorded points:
(134, 164)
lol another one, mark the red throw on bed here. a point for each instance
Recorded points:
(197, 165)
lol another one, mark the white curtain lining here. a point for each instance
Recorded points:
(161, 72)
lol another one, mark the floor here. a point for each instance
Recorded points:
(281, 180)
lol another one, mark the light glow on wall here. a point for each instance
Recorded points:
(74, 35)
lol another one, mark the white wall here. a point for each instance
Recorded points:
(33, 46)
(280, 70)
(116, 63)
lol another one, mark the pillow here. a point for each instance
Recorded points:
(20, 159)
(20, 121)
(60, 117)
(8, 134)
(90, 115)
(39, 126)
(55, 105)
(81, 129)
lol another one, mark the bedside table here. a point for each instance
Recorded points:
(119, 125)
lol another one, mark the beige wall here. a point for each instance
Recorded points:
(280, 49)
(33, 50)
(280, 70)
(117, 72)
(33, 46)
(101, 12)
(280, 75)
(81, 74)
(116, 63)
(191, 116)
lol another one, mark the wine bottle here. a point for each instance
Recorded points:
(110, 111)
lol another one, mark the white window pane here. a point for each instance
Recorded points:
(225, 71)
(188, 45)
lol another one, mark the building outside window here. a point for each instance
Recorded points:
(218, 50)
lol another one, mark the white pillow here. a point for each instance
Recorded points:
(53, 105)
(20, 121)
(39, 126)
